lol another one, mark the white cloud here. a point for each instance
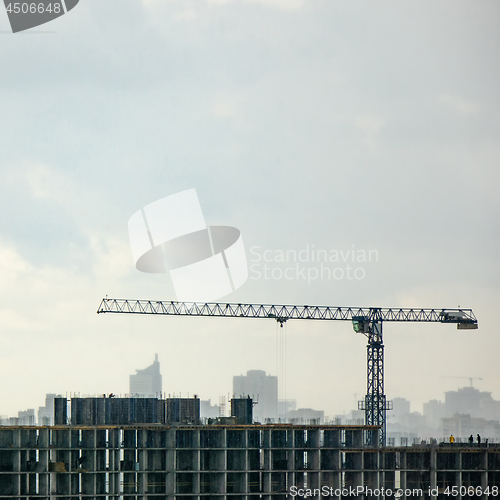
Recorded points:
(228, 105)
(285, 5)
(112, 256)
(151, 3)
(288, 5)
(13, 321)
(47, 183)
(56, 294)
(189, 15)
(224, 107)
(11, 266)
(369, 123)
(461, 105)
(41, 181)
(370, 126)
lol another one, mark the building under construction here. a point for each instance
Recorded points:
(247, 461)
(256, 461)
(90, 411)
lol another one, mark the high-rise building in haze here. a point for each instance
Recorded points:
(46, 413)
(306, 416)
(26, 417)
(147, 382)
(434, 411)
(473, 402)
(400, 407)
(262, 388)
(209, 410)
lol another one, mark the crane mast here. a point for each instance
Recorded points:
(365, 320)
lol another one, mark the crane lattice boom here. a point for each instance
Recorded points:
(286, 312)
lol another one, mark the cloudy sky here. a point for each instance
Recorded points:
(338, 125)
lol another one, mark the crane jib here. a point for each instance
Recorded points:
(464, 318)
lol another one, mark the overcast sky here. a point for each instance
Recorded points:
(333, 124)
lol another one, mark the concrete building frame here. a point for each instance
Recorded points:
(239, 462)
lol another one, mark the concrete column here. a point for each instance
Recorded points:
(142, 461)
(433, 468)
(484, 474)
(402, 475)
(458, 474)
(43, 458)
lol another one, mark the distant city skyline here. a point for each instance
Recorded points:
(466, 409)
(147, 382)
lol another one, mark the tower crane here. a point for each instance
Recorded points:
(470, 379)
(365, 320)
